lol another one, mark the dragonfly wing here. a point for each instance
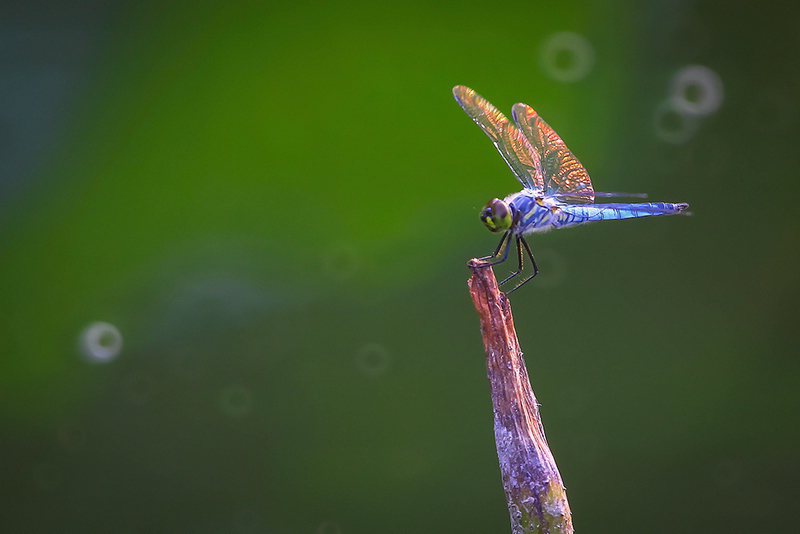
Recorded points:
(628, 195)
(564, 176)
(509, 141)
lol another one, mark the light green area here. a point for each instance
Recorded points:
(309, 139)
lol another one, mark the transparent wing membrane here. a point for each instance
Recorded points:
(624, 195)
(509, 141)
(564, 176)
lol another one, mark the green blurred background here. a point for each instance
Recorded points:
(274, 205)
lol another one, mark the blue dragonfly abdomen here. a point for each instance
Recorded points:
(572, 214)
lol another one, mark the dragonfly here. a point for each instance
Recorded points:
(556, 189)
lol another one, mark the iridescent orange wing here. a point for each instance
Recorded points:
(563, 175)
(512, 144)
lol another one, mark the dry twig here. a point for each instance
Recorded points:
(537, 499)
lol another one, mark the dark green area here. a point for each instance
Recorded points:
(275, 205)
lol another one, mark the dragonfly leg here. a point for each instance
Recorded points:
(519, 268)
(521, 239)
(496, 254)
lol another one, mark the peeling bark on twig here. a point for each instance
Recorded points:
(537, 499)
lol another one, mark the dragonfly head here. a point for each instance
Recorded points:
(498, 216)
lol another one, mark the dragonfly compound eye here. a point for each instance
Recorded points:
(497, 215)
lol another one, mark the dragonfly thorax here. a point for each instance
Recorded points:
(532, 212)
(498, 216)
